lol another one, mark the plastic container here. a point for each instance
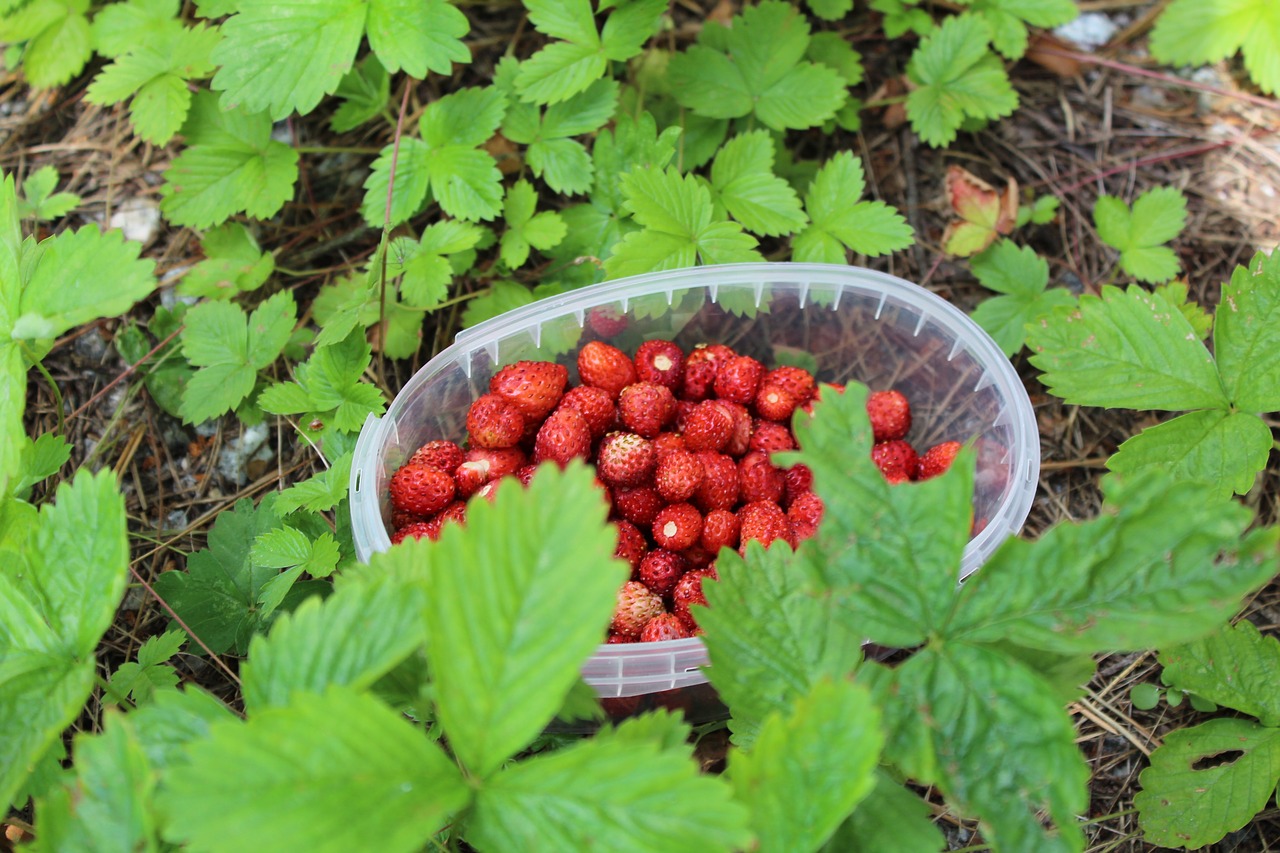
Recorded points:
(857, 324)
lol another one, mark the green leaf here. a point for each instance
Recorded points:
(141, 679)
(1201, 320)
(41, 459)
(830, 10)
(743, 180)
(233, 264)
(1042, 212)
(330, 386)
(866, 227)
(320, 493)
(39, 201)
(503, 296)
(1145, 696)
(364, 91)
(1223, 449)
(630, 25)
(351, 639)
(1125, 349)
(525, 228)
(336, 772)
(286, 547)
(810, 767)
(1234, 666)
(281, 56)
(417, 36)
(618, 792)
(1206, 781)
(231, 165)
(1021, 276)
(173, 719)
(1245, 330)
(120, 27)
(831, 49)
(1157, 217)
(1008, 20)
(890, 818)
(956, 78)
(58, 40)
(1194, 33)
(505, 644)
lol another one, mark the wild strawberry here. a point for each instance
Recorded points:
(738, 379)
(481, 465)
(684, 408)
(677, 526)
(770, 437)
(625, 459)
(615, 638)
(890, 415)
(719, 486)
(817, 396)
(636, 606)
(763, 521)
(775, 403)
(937, 459)
(719, 530)
(708, 427)
(525, 474)
(896, 460)
(646, 407)
(664, 626)
(639, 506)
(417, 530)
(699, 378)
(455, 512)
(661, 362)
(403, 518)
(605, 366)
(660, 569)
(441, 454)
(489, 491)
(494, 422)
(678, 475)
(564, 435)
(740, 439)
(667, 442)
(698, 557)
(595, 405)
(687, 592)
(421, 489)
(632, 545)
(798, 381)
(799, 479)
(606, 321)
(534, 387)
(805, 513)
(758, 480)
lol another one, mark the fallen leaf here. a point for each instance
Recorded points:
(983, 212)
(1047, 51)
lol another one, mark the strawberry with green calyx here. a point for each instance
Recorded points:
(645, 408)
(637, 604)
(937, 459)
(660, 569)
(604, 366)
(896, 459)
(890, 415)
(678, 475)
(421, 489)
(626, 459)
(563, 436)
(664, 626)
(534, 387)
(677, 526)
(494, 422)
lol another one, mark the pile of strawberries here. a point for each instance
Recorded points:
(682, 446)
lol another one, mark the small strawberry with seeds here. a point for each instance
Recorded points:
(660, 569)
(719, 530)
(708, 427)
(595, 405)
(896, 459)
(646, 408)
(661, 362)
(417, 530)
(403, 518)
(534, 387)
(494, 422)
(740, 439)
(421, 489)
(798, 381)
(738, 379)
(480, 465)
(563, 436)
(758, 480)
(625, 459)
(890, 415)
(605, 366)
(639, 506)
(775, 403)
(770, 437)
(678, 475)
(799, 479)
(764, 522)
(719, 486)
(667, 442)
(525, 474)
(664, 626)
(700, 366)
(688, 591)
(636, 606)
(677, 526)
(632, 546)
(937, 459)
(805, 514)
(606, 321)
(442, 454)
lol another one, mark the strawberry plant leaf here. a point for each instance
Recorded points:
(640, 794)
(281, 56)
(1158, 216)
(1040, 212)
(120, 27)
(426, 268)
(1184, 803)
(831, 49)
(1245, 327)
(809, 767)
(830, 10)
(956, 78)
(58, 39)
(141, 679)
(757, 67)
(505, 644)
(1125, 349)
(527, 229)
(1234, 666)
(173, 719)
(1008, 20)
(1194, 33)
(329, 386)
(351, 639)
(324, 773)
(1223, 449)
(900, 17)
(231, 165)
(286, 547)
(320, 493)
(1201, 320)
(233, 264)
(890, 818)
(502, 296)
(982, 212)
(742, 180)
(417, 36)
(39, 201)
(867, 227)
(1021, 277)
(40, 459)
(364, 92)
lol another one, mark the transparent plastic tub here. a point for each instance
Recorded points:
(857, 324)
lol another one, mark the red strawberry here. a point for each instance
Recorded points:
(664, 626)
(636, 606)
(769, 437)
(937, 459)
(661, 362)
(615, 639)
(740, 439)
(763, 521)
(799, 479)
(890, 415)
(678, 475)
(775, 403)
(667, 442)
(646, 407)
(700, 366)
(638, 506)
(631, 544)
(481, 465)
(758, 480)
(660, 569)
(738, 379)
(595, 405)
(708, 427)
(525, 474)
(688, 591)
(606, 321)
(896, 460)
(494, 422)
(456, 511)
(534, 387)
(606, 367)
(403, 518)
(563, 436)
(677, 526)
(719, 486)
(625, 459)
(441, 454)
(417, 530)
(805, 514)
(817, 396)
(796, 380)
(421, 489)
(698, 557)
(719, 530)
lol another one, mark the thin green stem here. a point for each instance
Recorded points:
(53, 386)
(106, 687)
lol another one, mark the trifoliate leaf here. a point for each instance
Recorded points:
(525, 228)
(502, 296)
(286, 547)
(1234, 666)
(1021, 276)
(981, 212)
(364, 92)
(231, 165)
(743, 181)
(319, 493)
(58, 39)
(759, 69)
(39, 201)
(121, 27)
(1196, 33)
(890, 818)
(425, 266)
(901, 17)
(417, 36)
(41, 459)
(1040, 212)
(230, 349)
(1157, 217)
(1125, 349)
(328, 773)
(840, 223)
(329, 384)
(830, 10)
(1176, 292)
(139, 680)
(1206, 781)
(956, 78)
(632, 143)
(233, 264)
(1245, 328)
(832, 50)
(1223, 449)
(1008, 20)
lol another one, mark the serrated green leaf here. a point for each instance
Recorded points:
(329, 385)
(1125, 349)
(417, 36)
(559, 71)
(1008, 20)
(1193, 33)
(503, 296)
(571, 20)
(742, 177)
(809, 767)
(412, 179)
(1234, 666)
(1225, 450)
(1186, 804)
(281, 56)
(526, 230)
(139, 680)
(1158, 216)
(1245, 330)
(233, 264)
(1021, 275)
(1201, 320)
(364, 91)
(831, 49)
(59, 40)
(40, 201)
(867, 227)
(285, 547)
(830, 10)
(640, 797)
(956, 78)
(326, 773)
(890, 818)
(41, 459)
(320, 493)
(120, 27)
(629, 26)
